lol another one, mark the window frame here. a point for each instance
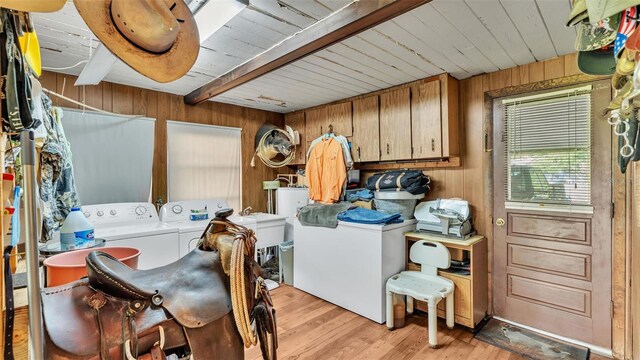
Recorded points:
(207, 126)
(541, 205)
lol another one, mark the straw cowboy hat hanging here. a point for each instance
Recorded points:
(157, 38)
(33, 5)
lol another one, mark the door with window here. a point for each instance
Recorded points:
(552, 212)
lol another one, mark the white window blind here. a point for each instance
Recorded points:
(204, 162)
(112, 156)
(548, 148)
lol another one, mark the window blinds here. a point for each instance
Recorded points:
(204, 162)
(112, 156)
(548, 148)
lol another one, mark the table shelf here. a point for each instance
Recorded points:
(471, 291)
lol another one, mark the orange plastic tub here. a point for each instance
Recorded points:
(71, 266)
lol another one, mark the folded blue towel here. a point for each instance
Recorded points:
(366, 216)
(362, 195)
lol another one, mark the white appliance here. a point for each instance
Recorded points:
(350, 265)
(269, 229)
(177, 215)
(135, 225)
(288, 201)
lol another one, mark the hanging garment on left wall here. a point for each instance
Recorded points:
(57, 184)
(17, 104)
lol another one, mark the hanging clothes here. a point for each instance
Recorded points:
(57, 185)
(326, 171)
(17, 104)
(346, 150)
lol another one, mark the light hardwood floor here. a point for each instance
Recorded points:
(311, 328)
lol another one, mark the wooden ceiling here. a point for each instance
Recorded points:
(461, 37)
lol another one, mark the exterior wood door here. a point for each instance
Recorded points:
(426, 120)
(366, 130)
(395, 125)
(552, 269)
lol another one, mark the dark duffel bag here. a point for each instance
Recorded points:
(412, 181)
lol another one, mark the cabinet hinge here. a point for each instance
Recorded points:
(613, 210)
(412, 151)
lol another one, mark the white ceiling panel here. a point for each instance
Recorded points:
(461, 37)
(458, 13)
(498, 22)
(312, 8)
(554, 13)
(526, 15)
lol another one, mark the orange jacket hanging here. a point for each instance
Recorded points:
(326, 171)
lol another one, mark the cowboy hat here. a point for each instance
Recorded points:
(627, 26)
(578, 12)
(157, 38)
(602, 9)
(594, 36)
(33, 5)
(627, 62)
(618, 81)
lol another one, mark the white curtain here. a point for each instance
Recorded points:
(204, 162)
(112, 156)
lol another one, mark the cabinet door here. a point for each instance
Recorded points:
(426, 120)
(395, 125)
(339, 116)
(296, 121)
(316, 123)
(366, 130)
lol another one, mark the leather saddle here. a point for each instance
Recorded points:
(181, 310)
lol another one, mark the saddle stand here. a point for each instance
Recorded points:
(184, 310)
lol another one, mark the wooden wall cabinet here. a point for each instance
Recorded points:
(426, 120)
(340, 117)
(434, 118)
(319, 120)
(316, 122)
(365, 145)
(395, 124)
(297, 122)
(413, 121)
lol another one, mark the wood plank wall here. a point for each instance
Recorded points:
(129, 100)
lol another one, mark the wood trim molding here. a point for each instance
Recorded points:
(419, 164)
(544, 85)
(355, 18)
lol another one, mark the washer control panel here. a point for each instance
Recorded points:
(120, 212)
(181, 210)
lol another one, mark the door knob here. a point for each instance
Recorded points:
(500, 222)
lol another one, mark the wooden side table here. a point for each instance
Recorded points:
(471, 291)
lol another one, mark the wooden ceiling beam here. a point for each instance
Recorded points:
(355, 18)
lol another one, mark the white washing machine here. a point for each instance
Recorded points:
(177, 214)
(135, 225)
